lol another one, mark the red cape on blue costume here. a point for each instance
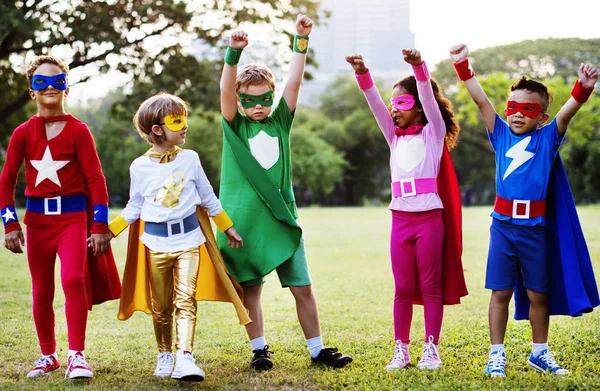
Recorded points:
(573, 289)
(453, 278)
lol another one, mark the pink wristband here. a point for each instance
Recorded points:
(464, 70)
(365, 81)
(580, 93)
(421, 72)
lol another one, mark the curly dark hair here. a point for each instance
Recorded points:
(409, 84)
(534, 86)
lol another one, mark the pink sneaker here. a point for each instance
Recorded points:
(78, 368)
(401, 357)
(430, 358)
(44, 366)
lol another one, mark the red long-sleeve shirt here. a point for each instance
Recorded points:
(67, 164)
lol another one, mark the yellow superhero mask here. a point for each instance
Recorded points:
(175, 122)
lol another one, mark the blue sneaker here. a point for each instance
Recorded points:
(545, 362)
(495, 365)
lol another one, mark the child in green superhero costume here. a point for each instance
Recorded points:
(256, 190)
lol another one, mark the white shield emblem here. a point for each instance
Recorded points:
(410, 154)
(265, 149)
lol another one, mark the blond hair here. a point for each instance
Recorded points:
(254, 75)
(152, 112)
(35, 64)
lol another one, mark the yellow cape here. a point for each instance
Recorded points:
(213, 284)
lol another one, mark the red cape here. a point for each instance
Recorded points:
(453, 277)
(102, 281)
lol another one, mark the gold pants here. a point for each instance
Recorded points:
(173, 283)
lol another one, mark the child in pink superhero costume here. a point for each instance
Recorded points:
(426, 243)
(62, 173)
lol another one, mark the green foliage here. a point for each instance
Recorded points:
(348, 252)
(126, 35)
(317, 165)
(537, 59)
(348, 125)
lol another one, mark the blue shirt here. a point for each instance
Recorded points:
(523, 164)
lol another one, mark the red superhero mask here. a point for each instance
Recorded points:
(531, 110)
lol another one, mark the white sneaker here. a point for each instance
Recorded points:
(401, 357)
(164, 364)
(186, 369)
(430, 358)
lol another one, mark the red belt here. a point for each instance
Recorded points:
(520, 209)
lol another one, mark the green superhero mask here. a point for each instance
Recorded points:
(249, 101)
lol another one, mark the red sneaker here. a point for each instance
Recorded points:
(44, 366)
(78, 368)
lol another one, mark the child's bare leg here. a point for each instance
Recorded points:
(539, 316)
(498, 315)
(252, 295)
(306, 308)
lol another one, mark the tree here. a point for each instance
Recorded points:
(537, 59)
(117, 34)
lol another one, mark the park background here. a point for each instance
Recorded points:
(123, 51)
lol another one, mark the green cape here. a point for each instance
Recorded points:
(262, 214)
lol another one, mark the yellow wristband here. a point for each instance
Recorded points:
(223, 221)
(118, 225)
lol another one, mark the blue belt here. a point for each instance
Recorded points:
(171, 228)
(57, 205)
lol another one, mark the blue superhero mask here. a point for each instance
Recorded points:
(41, 82)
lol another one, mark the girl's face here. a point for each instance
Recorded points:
(405, 118)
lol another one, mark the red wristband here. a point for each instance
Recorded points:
(580, 93)
(464, 70)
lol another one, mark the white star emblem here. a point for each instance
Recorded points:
(8, 215)
(47, 168)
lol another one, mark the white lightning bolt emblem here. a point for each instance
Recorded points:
(519, 156)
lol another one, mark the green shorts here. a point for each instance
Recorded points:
(293, 272)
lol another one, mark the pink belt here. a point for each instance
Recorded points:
(411, 187)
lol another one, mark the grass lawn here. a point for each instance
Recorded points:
(349, 262)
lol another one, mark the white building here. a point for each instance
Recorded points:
(376, 29)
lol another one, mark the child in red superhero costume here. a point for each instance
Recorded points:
(63, 175)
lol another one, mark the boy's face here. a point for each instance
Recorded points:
(173, 130)
(259, 95)
(49, 96)
(524, 111)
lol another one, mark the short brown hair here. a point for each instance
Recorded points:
(536, 87)
(152, 112)
(35, 64)
(254, 75)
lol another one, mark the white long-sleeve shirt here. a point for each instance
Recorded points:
(167, 192)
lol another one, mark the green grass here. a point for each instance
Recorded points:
(349, 263)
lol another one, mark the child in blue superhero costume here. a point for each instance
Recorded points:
(536, 244)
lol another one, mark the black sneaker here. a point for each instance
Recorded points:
(262, 359)
(331, 358)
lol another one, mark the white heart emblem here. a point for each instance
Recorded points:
(265, 149)
(409, 154)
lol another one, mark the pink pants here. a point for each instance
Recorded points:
(416, 251)
(43, 244)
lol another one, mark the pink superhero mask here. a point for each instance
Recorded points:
(403, 102)
(531, 110)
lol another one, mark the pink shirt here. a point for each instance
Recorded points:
(411, 156)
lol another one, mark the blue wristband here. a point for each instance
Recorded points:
(9, 215)
(100, 214)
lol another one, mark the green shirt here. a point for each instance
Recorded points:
(256, 191)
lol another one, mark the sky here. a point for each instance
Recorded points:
(440, 24)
